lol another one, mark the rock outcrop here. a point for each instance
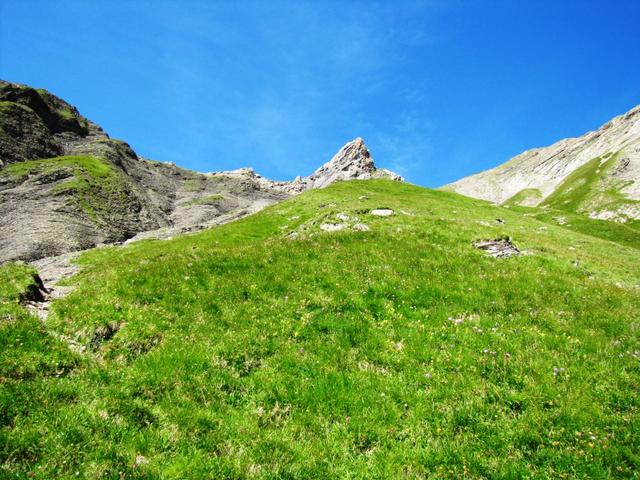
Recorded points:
(597, 174)
(65, 185)
(353, 161)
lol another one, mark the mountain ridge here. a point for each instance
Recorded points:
(534, 176)
(65, 185)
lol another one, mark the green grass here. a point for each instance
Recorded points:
(528, 196)
(206, 200)
(400, 352)
(6, 108)
(627, 233)
(92, 166)
(29, 352)
(94, 185)
(66, 113)
(4, 105)
(63, 112)
(194, 185)
(586, 189)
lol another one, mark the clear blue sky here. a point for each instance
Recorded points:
(438, 89)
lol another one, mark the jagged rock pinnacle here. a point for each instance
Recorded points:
(353, 161)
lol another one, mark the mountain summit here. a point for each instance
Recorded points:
(597, 174)
(353, 161)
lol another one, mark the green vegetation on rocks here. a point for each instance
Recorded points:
(93, 167)
(194, 185)
(29, 352)
(397, 352)
(206, 200)
(627, 233)
(92, 184)
(588, 188)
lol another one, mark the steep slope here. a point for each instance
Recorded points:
(65, 185)
(398, 351)
(597, 174)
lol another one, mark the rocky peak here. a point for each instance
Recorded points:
(353, 161)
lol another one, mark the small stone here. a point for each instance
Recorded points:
(499, 248)
(333, 227)
(361, 227)
(382, 212)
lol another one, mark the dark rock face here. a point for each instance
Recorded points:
(23, 135)
(65, 185)
(35, 291)
(57, 115)
(96, 189)
(33, 123)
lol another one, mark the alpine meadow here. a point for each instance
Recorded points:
(260, 285)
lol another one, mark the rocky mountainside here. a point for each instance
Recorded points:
(597, 174)
(65, 185)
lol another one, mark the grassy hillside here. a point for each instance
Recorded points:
(589, 188)
(528, 196)
(247, 351)
(627, 233)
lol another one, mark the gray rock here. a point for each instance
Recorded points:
(333, 227)
(499, 248)
(382, 212)
(361, 227)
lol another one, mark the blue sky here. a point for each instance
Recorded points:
(438, 89)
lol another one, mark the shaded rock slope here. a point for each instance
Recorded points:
(597, 174)
(65, 185)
